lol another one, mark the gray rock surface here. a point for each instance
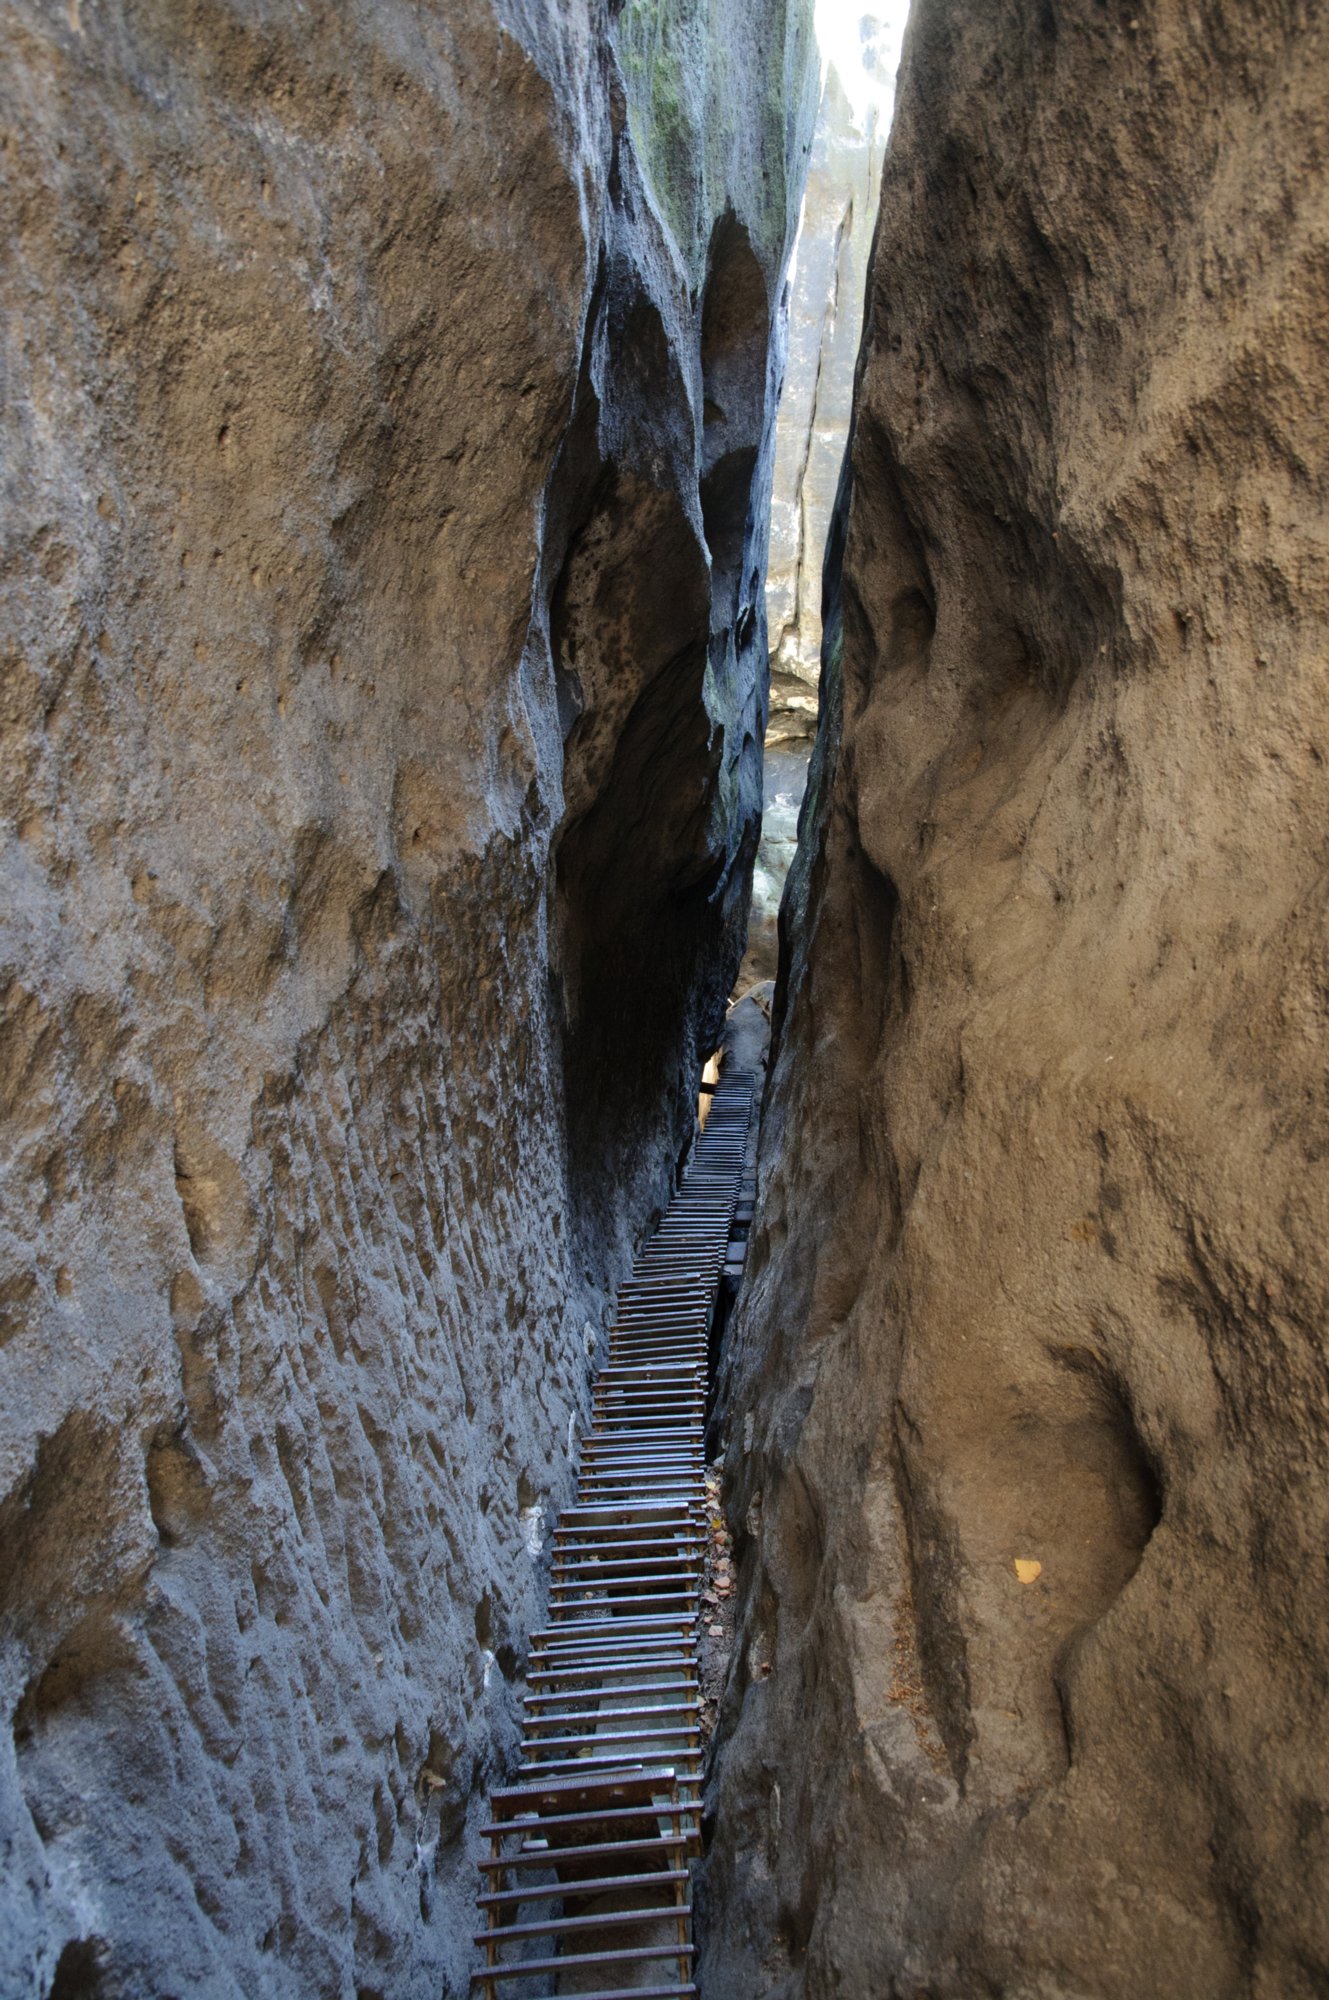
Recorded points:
(784, 781)
(378, 729)
(1030, 1415)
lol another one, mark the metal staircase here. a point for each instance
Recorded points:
(586, 1883)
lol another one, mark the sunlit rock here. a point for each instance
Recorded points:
(826, 290)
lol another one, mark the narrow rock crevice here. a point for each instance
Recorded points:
(387, 657)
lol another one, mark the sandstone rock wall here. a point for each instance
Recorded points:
(826, 292)
(1029, 1395)
(826, 295)
(379, 784)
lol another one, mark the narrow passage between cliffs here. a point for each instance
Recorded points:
(586, 1883)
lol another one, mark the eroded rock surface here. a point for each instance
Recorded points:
(826, 289)
(826, 293)
(382, 652)
(784, 780)
(1029, 1394)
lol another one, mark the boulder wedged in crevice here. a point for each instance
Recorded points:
(1025, 1395)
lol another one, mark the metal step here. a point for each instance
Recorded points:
(611, 1803)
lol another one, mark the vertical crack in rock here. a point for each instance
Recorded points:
(382, 656)
(1028, 1402)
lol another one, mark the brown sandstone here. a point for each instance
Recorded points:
(1030, 1405)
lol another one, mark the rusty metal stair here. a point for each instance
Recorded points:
(586, 1883)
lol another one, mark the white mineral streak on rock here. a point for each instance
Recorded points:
(532, 1523)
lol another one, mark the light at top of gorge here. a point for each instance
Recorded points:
(862, 39)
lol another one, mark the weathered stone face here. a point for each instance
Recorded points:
(825, 322)
(1036, 1640)
(826, 288)
(375, 732)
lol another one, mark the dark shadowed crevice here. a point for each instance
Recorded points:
(735, 334)
(650, 643)
(81, 1972)
(636, 882)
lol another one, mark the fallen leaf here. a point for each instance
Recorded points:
(1027, 1569)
